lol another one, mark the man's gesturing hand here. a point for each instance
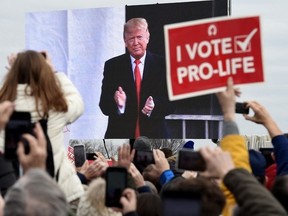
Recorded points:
(120, 97)
(149, 106)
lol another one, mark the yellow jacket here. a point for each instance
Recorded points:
(235, 144)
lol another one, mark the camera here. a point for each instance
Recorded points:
(241, 108)
(91, 156)
(190, 160)
(142, 159)
(18, 124)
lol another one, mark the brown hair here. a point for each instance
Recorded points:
(149, 204)
(31, 68)
(211, 197)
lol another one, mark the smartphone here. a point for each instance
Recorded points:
(79, 155)
(18, 124)
(190, 160)
(241, 108)
(116, 182)
(91, 156)
(182, 203)
(142, 159)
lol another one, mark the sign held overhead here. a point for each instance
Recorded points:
(201, 55)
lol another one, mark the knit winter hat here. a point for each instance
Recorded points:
(189, 145)
(142, 143)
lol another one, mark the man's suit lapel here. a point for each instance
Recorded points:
(129, 78)
(147, 76)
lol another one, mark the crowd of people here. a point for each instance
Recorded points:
(234, 181)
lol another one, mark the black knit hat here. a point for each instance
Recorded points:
(142, 143)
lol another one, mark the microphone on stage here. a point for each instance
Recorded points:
(106, 149)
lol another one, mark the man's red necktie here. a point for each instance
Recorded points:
(137, 76)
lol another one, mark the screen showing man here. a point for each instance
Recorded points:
(134, 92)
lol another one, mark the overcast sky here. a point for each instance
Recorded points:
(274, 20)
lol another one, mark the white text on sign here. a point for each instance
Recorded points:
(215, 47)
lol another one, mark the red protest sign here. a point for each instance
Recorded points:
(70, 153)
(201, 55)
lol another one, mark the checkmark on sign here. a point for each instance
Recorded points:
(242, 43)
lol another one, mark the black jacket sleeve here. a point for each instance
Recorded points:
(252, 198)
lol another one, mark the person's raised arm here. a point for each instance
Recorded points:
(162, 166)
(125, 156)
(129, 202)
(92, 170)
(232, 141)
(279, 141)
(227, 100)
(252, 198)
(262, 116)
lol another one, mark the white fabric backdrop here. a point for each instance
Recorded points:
(79, 42)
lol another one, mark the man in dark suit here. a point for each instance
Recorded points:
(134, 92)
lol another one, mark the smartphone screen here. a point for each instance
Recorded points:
(181, 203)
(142, 159)
(18, 124)
(190, 160)
(241, 108)
(79, 155)
(116, 182)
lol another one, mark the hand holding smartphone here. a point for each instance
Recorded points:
(190, 160)
(18, 124)
(116, 182)
(241, 108)
(142, 159)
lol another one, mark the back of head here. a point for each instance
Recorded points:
(280, 190)
(150, 173)
(30, 68)
(172, 162)
(258, 165)
(142, 143)
(149, 204)
(211, 197)
(92, 203)
(151, 186)
(167, 151)
(37, 194)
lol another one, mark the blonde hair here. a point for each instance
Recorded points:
(138, 23)
(92, 203)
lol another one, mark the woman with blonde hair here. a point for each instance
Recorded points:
(92, 203)
(33, 86)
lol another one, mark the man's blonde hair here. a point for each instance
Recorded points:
(138, 23)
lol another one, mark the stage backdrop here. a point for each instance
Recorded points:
(80, 41)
